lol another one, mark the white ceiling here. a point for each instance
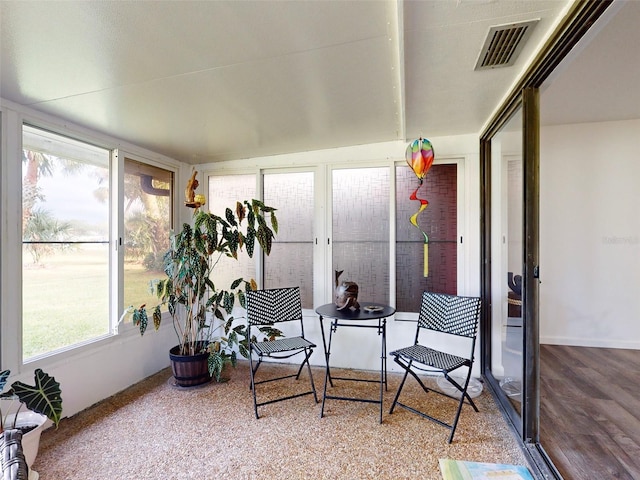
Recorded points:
(215, 80)
(600, 79)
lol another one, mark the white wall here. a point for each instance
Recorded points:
(590, 234)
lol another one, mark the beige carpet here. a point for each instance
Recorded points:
(154, 430)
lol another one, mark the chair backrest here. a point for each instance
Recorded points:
(450, 314)
(269, 306)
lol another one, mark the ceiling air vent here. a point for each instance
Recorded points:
(503, 44)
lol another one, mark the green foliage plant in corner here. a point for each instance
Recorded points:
(43, 397)
(199, 307)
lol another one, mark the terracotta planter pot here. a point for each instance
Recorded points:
(189, 370)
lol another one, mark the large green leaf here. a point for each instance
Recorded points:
(140, 319)
(157, 317)
(244, 351)
(250, 240)
(45, 397)
(3, 378)
(233, 338)
(230, 217)
(228, 302)
(215, 363)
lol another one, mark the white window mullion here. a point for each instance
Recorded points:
(11, 254)
(117, 239)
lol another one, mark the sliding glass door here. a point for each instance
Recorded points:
(510, 279)
(510, 222)
(506, 267)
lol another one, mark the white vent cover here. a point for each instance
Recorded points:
(503, 44)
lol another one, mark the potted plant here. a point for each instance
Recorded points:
(200, 309)
(43, 399)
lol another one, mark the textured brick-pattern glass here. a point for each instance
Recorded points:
(224, 192)
(291, 261)
(439, 221)
(360, 233)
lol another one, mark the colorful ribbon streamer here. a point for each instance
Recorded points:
(414, 222)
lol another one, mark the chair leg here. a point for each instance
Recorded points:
(463, 390)
(455, 421)
(253, 382)
(254, 369)
(307, 355)
(463, 395)
(313, 386)
(404, 378)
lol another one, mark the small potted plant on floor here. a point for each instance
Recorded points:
(43, 400)
(200, 309)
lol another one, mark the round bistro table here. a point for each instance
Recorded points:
(370, 315)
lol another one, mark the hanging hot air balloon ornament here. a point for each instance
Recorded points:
(419, 156)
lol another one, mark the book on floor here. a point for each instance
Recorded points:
(463, 470)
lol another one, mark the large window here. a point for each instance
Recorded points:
(360, 231)
(224, 192)
(148, 200)
(65, 242)
(291, 259)
(438, 221)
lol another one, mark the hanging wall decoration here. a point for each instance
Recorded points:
(419, 156)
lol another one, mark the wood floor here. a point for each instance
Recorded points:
(590, 411)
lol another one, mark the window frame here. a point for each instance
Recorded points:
(323, 285)
(122, 245)
(462, 228)
(11, 351)
(36, 359)
(314, 240)
(319, 254)
(121, 325)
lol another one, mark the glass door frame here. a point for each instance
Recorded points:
(578, 20)
(525, 423)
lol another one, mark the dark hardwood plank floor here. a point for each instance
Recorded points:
(590, 411)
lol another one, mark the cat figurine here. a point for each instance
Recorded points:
(346, 294)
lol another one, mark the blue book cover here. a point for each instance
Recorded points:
(463, 470)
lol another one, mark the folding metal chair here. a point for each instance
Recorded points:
(268, 308)
(446, 314)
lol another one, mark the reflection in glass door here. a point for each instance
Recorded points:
(507, 339)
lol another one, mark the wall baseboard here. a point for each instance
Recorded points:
(591, 342)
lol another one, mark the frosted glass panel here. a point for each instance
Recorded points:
(360, 199)
(224, 192)
(291, 261)
(439, 222)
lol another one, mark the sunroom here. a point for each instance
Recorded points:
(109, 108)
